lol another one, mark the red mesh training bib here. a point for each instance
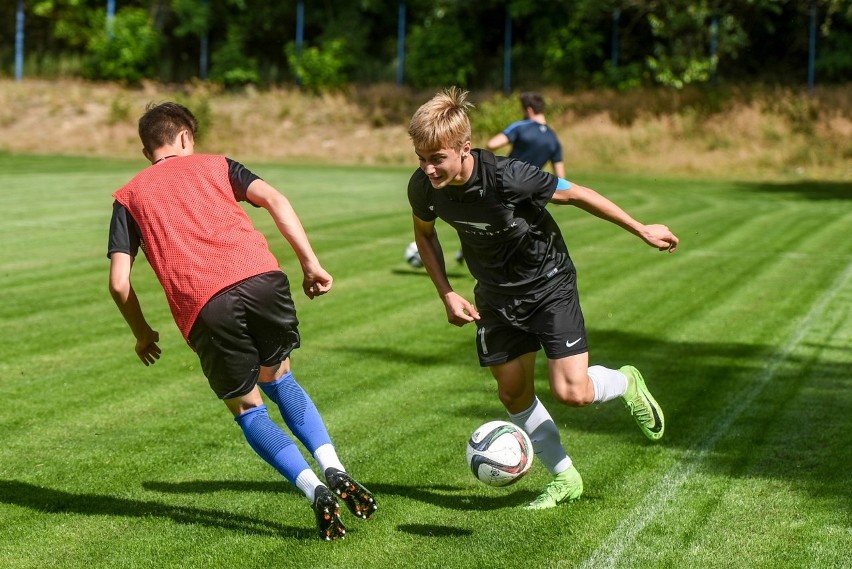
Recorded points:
(195, 235)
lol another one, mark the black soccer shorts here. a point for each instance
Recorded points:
(513, 325)
(249, 325)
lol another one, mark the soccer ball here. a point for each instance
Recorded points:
(412, 256)
(499, 453)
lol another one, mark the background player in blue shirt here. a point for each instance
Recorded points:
(532, 140)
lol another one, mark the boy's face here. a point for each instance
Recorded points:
(446, 166)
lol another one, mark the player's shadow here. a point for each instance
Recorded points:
(454, 497)
(808, 189)
(412, 272)
(210, 486)
(440, 495)
(52, 501)
(460, 353)
(432, 530)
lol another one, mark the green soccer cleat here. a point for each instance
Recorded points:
(642, 405)
(566, 486)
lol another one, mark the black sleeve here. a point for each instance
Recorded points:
(418, 196)
(124, 234)
(524, 182)
(241, 178)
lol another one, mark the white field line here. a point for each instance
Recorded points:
(613, 546)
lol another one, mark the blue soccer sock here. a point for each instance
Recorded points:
(271, 443)
(298, 411)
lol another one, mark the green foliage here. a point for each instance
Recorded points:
(128, 51)
(569, 52)
(319, 68)
(682, 34)
(622, 78)
(834, 49)
(193, 16)
(491, 116)
(560, 43)
(439, 53)
(230, 65)
(74, 20)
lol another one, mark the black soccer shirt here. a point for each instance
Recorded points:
(511, 243)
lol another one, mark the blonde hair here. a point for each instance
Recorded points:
(442, 122)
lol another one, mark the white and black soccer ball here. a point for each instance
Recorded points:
(499, 453)
(412, 256)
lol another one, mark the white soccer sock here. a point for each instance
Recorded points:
(539, 425)
(307, 481)
(608, 383)
(326, 456)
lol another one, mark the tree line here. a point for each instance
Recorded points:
(325, 44)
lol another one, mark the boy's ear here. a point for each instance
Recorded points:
(147, 154)
(185, 138)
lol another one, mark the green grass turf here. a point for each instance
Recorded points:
(744, 337)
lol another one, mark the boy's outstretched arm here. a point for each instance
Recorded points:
(316, 280)
(125, 299)
(655, 235)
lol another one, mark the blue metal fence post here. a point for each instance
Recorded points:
(812, 48)
(400, 45)
(616, 20)
(19, 41)
(110, 16)
(714, 46)
(204, 45)
(507, 52)
(300, 35)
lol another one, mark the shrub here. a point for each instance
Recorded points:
(230, 65)
(319, 69)
(127, 51)
(444, 36)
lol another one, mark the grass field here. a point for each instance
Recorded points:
(744, 336)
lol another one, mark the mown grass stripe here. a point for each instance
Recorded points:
(613, 547)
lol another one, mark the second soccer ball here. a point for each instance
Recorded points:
(412, 256)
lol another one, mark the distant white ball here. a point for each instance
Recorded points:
(412, 256)
(499, 453)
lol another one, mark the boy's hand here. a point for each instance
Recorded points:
(459, 310)
(661, 237)
(316, 282)
(147, 348)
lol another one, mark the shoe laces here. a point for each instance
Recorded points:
(639, 408)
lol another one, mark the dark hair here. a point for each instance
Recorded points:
(533, 100)
(162, 122)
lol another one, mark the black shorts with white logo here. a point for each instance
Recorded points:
(249, 325)
(513, 325)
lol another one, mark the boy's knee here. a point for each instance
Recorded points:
(572, 394)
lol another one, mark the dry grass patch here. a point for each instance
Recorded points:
(758, 133)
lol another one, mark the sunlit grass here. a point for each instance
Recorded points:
(743, 336)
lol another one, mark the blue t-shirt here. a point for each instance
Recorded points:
(533, 142)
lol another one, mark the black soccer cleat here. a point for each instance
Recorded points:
(327, 512)
(358, 499)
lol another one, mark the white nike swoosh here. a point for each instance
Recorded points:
(570, 344)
